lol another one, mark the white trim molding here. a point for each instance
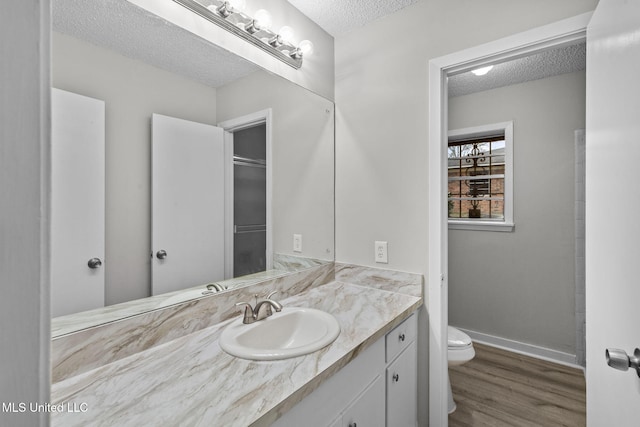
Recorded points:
(481, 225)
(25, 191)
(477, 132)
(561, 33)
(544, 353)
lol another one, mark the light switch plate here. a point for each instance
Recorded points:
(381, 252)
(297, 243)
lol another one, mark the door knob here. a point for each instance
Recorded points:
(94, 263)
(618, 359)
(161, 254)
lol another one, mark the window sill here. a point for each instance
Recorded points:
(481, 226)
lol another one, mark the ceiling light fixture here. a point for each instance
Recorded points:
(256, 30)
(482, 71)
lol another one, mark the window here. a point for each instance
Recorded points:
(480, 169)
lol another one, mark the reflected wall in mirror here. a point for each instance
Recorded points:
(140, 65)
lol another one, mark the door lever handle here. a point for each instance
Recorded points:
(619, 359)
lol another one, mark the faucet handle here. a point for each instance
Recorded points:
(249, 316)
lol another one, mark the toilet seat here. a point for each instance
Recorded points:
(457, 338)
(459, 347)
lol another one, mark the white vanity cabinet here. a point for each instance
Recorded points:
(376, 389)
(402, 374)
(367, 409)
(402, 387)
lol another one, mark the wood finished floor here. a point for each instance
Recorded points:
(501, 388)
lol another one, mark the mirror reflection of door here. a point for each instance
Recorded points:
(187, 237)
(77, 203)
(249, 200)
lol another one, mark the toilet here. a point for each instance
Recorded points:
(459, 351)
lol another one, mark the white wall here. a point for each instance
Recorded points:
(24, 209)
(381, 123)
(317, 71)
(303, 158)
(133, 91)
(521, 285)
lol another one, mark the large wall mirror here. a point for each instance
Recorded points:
(146, 72)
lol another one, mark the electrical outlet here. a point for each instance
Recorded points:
(297, 243)
(381, 252)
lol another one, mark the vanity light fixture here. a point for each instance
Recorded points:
(286, 33)
(256, 30)
(482, 71)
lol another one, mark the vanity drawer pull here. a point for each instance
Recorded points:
(396, 378)
(401, 337)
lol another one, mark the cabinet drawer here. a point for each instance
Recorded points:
(399, 338)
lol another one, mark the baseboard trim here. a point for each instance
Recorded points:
(531, 350)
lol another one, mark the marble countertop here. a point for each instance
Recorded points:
(86, 319)
(190, 381)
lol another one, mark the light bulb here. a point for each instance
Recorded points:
(238, 5)
(482, 71)
(286, 34)
(263, 19)
(306, 47)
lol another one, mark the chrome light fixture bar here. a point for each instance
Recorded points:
(224, 15)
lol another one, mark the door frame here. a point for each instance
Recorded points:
(230, 126)
(549, 36)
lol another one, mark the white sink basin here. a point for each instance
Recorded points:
(294, 331)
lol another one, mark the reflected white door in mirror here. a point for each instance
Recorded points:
(77, 203)
(187, 186)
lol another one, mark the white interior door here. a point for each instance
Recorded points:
(187, 238)
(77, 202)
(612, 208)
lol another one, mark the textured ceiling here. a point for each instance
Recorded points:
(339, 16)
(545, 64)
(138, 34)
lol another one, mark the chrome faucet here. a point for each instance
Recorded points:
(212, 288)
(262, 310)
(216, 286)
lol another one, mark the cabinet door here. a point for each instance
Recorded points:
(368, 409)
(402, 389)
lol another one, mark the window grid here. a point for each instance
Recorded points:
(476, 178)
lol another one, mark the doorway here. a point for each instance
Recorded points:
(249, 200)
(248, 194)
(558, 34)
